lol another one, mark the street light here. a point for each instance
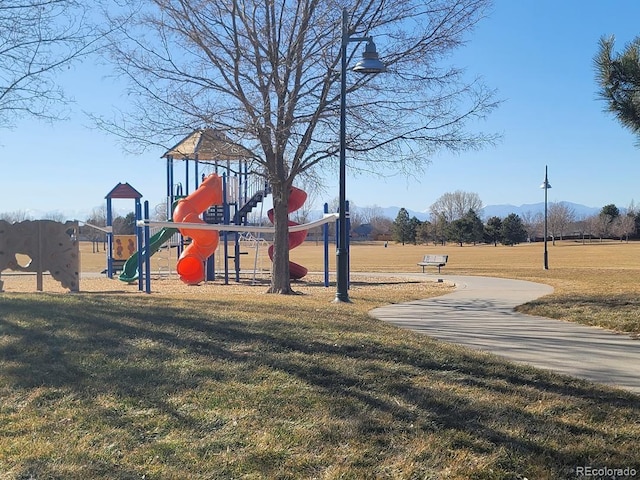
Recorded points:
(369, 64)
(546, 187)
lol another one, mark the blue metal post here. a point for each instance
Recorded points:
(169, 185)
(236, 250)
(246, 181)
(225, 234)
(109, 240)
(186, 176)
(211, 268)
(139, 238)
(240, 200)
(147, 253)
(325, 235)
(348, 242)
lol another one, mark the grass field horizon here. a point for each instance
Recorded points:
(227, 382)
(595, 282)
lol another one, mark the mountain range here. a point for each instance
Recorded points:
(488, 211)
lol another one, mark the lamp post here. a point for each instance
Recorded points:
(369, 64)
(546, 187)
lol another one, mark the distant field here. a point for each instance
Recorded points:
(521, 260)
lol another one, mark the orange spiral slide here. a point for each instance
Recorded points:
(297, 197)
(190, 265)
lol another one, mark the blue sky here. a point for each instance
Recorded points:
(538, 54)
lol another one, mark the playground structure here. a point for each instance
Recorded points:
(50, 247)
(216, 212)
(207, 152)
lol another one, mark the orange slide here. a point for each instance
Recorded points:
(190, 265)
(297, 197)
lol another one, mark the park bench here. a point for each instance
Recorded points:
(433, 261)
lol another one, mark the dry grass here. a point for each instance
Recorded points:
(224, 381)
(176, 386)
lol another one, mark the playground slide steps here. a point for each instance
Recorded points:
(215, 213)
(250, 205)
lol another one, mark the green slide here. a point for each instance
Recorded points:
(130, 268)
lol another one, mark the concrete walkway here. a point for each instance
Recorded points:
(479, 314)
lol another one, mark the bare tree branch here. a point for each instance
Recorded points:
(38, 38)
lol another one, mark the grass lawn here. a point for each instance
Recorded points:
(237, 384)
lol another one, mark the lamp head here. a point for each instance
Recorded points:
(370, 62)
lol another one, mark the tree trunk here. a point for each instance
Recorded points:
(280, 280)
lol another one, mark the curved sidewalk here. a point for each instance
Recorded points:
(480, 314)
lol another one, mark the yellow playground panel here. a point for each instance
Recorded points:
(124, 246)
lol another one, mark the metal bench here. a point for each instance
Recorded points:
(433, 261)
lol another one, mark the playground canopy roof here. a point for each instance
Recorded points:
(123, 190)
(208, 145)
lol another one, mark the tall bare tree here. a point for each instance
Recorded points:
(532, 223)
(623, 226)
(374, 216)
(455, 205)
(268, 74)
(38, 38)
(560, 216)
(602, 225)
(583, 226)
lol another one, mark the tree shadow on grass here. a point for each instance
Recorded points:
(143, 352)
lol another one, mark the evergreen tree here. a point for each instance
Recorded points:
(611, 210)
(468, 229)
(439, 227)
(425, 232)
(414, 225)
(456, 231)
(493, 230)
(513, 231)
(619, 81)
(402, 227)
(477, 228)
(125, 225)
